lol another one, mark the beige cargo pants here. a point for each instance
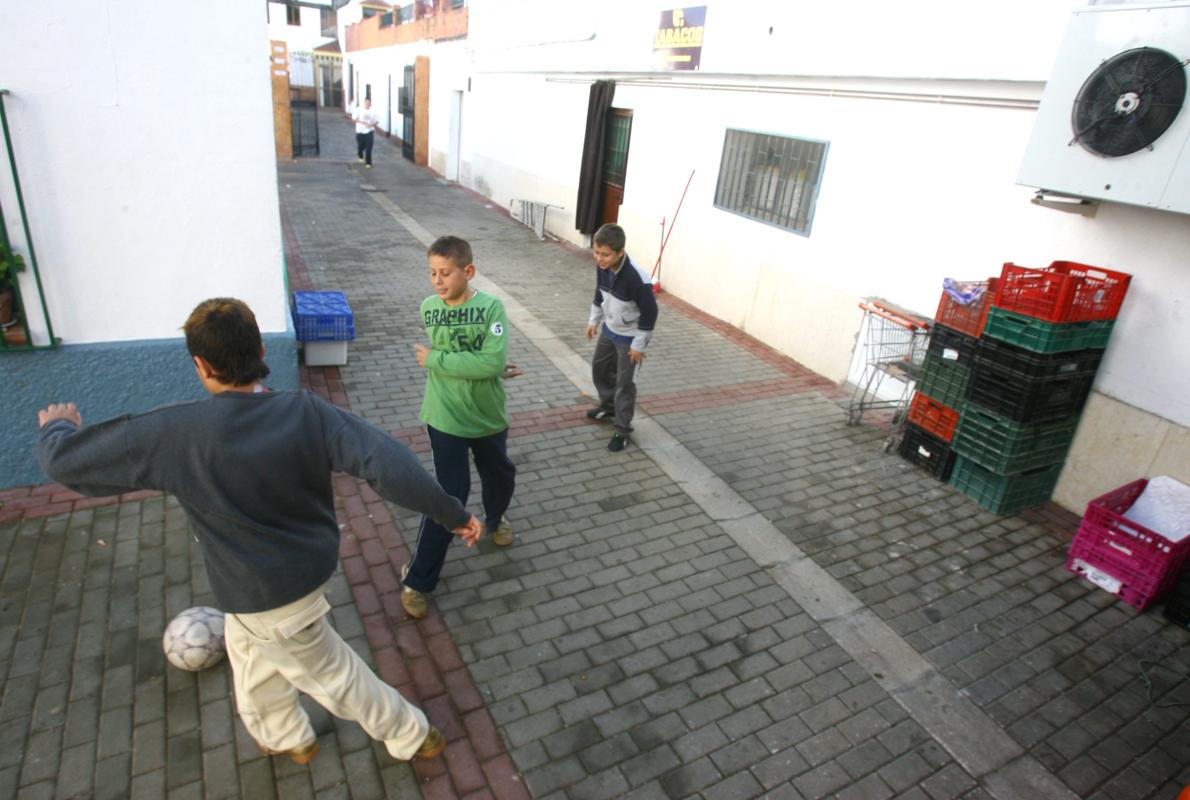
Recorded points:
(276, 654)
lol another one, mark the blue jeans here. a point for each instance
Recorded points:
(452, 467)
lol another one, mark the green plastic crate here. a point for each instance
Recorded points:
(1046, 337)
(943, 381)
(1004, 494)
(1009, 448)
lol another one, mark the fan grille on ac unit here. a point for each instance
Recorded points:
(1129, 101)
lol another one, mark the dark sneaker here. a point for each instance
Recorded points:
(619, 442)
(600, 415)
(502, 536)
(433, 746)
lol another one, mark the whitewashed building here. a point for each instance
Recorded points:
(914, 120)
(147, 187)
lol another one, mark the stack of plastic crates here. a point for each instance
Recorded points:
(934, 411)
(1030, 376)
(1123, 557)
(324, 324)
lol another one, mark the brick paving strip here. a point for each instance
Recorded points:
(975, 741)
(419, 658)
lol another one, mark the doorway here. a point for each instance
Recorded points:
(615, 162)
(456, 135)
(405, 103)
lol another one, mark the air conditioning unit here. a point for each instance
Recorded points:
(1113, 122)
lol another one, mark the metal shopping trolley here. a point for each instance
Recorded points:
(894, 348)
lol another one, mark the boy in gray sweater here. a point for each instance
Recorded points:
(252, 469)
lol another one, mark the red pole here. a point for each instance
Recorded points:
(657, 267)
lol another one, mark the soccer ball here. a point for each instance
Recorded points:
(194, 639)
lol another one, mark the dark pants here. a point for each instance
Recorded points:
(614, 375)
(452, 467)
(363, 144)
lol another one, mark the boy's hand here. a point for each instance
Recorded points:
(470, 532)
(590, 332)
(422, 351)
(511, 371)
(636, 356)
(59, 411)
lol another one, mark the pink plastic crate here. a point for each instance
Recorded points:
(1134, 563)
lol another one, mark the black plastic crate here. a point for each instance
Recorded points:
(1033, 401)
(927, 451)
(1177, 602)
(951, 346)
(1030, 364)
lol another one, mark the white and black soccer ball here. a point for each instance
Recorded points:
(193, 640)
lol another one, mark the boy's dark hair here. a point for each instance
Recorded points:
(223, 332)
(611, 235)
(457, 250)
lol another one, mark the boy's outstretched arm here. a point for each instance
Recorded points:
(359, 448)
(93, 460)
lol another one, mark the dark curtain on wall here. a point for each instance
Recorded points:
(590, 177)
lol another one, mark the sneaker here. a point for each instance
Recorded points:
(433, 745)
(360, 159)
(600, 415)
(369, 166)
(502, 536)
(415, 603)
(619, 442)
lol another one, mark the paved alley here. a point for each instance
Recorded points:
(752, 600)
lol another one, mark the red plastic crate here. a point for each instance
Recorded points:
(1062, 292)
(967, 319)
(1131, 561)
(933, 417)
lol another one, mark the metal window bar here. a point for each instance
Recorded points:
(769, 178)
(894, 349)
(531, 214)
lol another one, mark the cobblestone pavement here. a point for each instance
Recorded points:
(753, 600)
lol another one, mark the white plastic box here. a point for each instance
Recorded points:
(325, 354)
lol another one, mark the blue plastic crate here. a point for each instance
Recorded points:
(322, 317)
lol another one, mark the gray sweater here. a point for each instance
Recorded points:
(253, 473)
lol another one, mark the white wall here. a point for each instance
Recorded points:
(376, 67)
(306, 36)
(1011, 39)
(147, 163)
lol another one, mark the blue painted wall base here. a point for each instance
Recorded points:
(104, 381)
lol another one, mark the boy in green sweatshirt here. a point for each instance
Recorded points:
(463, 408)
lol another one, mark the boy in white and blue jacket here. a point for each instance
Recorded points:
(623, 313)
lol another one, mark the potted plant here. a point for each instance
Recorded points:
(11, 263)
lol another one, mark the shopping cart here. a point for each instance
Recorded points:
(894, 348)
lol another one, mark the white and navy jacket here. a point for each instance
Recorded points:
(624, 302)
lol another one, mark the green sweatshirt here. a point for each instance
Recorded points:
(468, 352)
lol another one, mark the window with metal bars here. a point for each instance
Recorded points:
(769, 178)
